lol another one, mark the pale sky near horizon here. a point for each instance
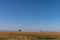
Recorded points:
(30, 15)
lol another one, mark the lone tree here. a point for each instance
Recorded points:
(40, 30)
(19, 30)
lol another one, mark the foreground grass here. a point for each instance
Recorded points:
(29, 36)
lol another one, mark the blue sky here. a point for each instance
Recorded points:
(30, 15)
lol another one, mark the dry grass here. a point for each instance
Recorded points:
(29, 36)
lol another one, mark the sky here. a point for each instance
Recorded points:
(30, 15)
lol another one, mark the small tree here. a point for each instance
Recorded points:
(40, 30)
(19, 30)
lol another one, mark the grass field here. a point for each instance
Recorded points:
(29, 36)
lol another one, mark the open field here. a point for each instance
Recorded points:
(29, 36)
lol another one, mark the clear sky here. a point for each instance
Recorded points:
(30, 15)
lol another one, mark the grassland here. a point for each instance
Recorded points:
(29, 36)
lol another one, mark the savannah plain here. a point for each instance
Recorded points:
(29, 36)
